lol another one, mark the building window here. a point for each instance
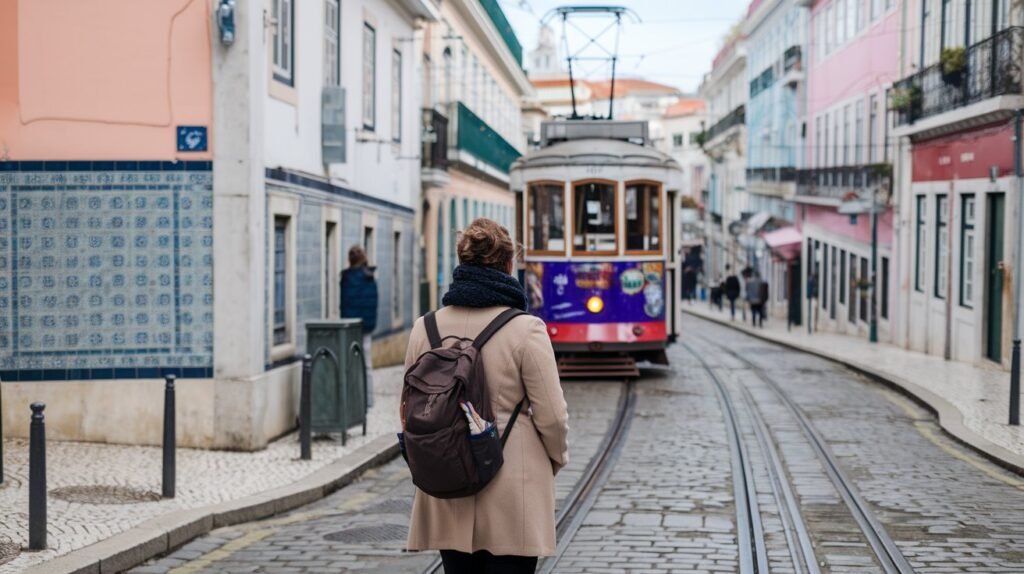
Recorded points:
(441, 275)
(967, 252)
(832, 280)
(885, 288)
(283, 12)
(817, 142)
(858, 133)
(594, 229)
(922, 230)
(825, 142)
(825, 278)
(281, 295)
(872, 127)
(332, 27)
(368, 246)
(851, 311)
(369, 76)
(643, 217)
(842, 277)
(396, 96)
(694, 138)
(941, 245)
(331, 271)
(846, 135)
(876, 9)
(864, 292)
(677, 140)
(946, 35)
(396, 277)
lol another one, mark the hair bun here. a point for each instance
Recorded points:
(486, 244)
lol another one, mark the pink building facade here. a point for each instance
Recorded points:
(852, 63)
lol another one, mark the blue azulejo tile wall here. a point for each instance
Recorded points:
(106, 270)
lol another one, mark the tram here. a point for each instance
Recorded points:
(600, 237)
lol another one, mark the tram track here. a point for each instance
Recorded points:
(573, 510)
(884, 548)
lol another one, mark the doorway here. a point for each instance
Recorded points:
(994, 287)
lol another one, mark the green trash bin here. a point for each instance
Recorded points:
(338, 378)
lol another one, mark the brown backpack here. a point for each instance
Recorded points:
(444, 460)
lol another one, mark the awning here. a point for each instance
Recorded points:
(757, 221)
(784, 242)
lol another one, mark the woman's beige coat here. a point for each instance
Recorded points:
(515, 513)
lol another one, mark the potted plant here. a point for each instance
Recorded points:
(953, 61)
(905, 99)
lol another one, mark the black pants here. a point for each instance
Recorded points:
(732, 306)
(757, 314)
(483, 562)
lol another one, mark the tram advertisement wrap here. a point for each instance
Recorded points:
(630, 291)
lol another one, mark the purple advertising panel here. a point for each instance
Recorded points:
(632, 291)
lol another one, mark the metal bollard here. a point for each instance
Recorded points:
(306, 409)
(170, 440)
(1, 435)
(37, 479)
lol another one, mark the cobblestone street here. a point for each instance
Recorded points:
(668, 504)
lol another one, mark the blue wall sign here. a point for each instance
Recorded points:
(191, 138)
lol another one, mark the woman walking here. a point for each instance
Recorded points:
(359, 301)
(511, 522)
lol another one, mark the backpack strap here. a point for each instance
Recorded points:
(433, 335)
(492, 327)
(511, 421)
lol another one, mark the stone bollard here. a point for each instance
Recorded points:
(169, 444)
(37, 479)
(306, 410)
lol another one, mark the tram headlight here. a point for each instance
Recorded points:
(595, 304)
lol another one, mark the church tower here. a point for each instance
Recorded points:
(544, 59)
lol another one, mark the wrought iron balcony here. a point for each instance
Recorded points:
(991, 68)
(837, 182)
(733, 118)
(435, 140)
(771, 174)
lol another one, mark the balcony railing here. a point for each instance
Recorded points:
(838, 182)
(791, 59)
(435, 139)
(473, 135)
(504, 28)
(771, 174)
(733, 118)
(992, 68)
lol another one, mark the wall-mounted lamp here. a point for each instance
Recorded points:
(226, 21)
(993, 173)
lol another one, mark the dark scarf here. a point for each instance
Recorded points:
(474, 286)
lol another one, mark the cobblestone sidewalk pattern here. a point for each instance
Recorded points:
(204, 478)
(979, 395)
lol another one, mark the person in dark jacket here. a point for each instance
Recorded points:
(359, 301)
(731, 290)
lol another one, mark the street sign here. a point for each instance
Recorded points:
(192, 138)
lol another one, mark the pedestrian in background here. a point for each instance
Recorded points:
(511, 522)
(731, 290)
(757, 295)
(359, 301)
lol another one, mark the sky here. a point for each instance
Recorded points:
(673, 43)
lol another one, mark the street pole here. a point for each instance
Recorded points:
(873, 332)
(1018, 276)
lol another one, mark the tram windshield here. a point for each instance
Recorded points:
(594, 229)
(643, 217)
(547, 217)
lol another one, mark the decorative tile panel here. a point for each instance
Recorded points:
(106, 270)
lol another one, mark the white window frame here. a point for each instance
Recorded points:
(968, 247)
(331, 266)
(941, 245)
(282, 40)
(369, 108)
(396, 95)
(283, 207)
(332, 42)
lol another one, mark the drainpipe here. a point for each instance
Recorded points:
(1017, 280)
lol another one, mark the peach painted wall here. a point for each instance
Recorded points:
(868, 63)
(103, 79)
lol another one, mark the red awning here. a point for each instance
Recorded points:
(784, 242)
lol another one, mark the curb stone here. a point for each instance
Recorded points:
(164, 533)
(950, 418)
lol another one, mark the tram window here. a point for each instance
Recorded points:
(594, 229)
(643, 217)
(547, 217)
